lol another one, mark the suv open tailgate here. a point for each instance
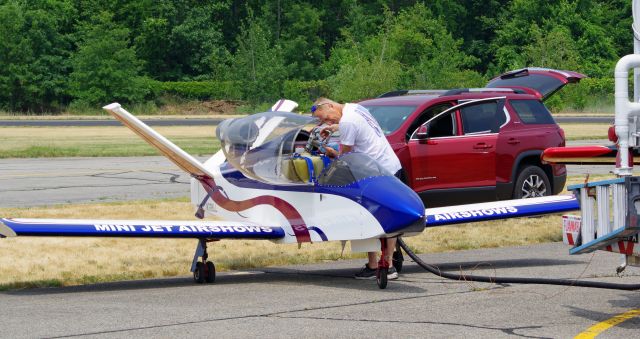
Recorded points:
(545, 81)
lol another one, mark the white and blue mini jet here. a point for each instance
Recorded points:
(265, 184)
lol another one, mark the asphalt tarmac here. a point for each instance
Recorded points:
(325, 301)
(49, 181)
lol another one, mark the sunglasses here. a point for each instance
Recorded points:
(314, 108)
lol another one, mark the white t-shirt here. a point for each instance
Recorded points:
(361, 130)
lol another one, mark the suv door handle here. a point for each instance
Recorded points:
(482, 145)
(513, 141)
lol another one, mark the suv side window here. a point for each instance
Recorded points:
(532, 112)
(443, 126)
(426, 115)
(483, 118)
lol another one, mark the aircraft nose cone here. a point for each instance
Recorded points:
(396, 206)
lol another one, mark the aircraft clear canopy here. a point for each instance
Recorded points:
(267, 147)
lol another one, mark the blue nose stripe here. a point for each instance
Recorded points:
(397, 207)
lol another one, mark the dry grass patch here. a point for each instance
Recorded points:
(37, 261)
(40, 261)
(576, 131)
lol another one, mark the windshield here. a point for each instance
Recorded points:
(390, 117)
(349, 168)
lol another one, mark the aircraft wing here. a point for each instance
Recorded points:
(138, 229)
(458, 214)
(174, 153)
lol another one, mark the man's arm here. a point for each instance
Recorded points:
(345, 149)
(333, 153)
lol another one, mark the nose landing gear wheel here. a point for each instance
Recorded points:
(381, 277)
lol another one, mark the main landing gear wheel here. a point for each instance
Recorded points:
(199, 274)
(203, 270)
(204, 273)
(381, 277)
(211, 272)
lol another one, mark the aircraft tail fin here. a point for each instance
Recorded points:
(174, 153)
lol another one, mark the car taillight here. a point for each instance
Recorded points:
(611, 134)
(561, 132)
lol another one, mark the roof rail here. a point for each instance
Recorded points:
(488, 90)
(412, 92)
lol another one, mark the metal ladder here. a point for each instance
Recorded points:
(599, 228)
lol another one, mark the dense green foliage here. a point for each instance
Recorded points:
(54, 53)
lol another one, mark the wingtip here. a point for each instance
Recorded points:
(112, 106)
(5, 231)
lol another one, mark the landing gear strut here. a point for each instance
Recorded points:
(203, 270)
(383, 265)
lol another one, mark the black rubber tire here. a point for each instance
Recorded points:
(211, 272)
(199, 273)
(397, 260)
(532, 182)
(381, 277)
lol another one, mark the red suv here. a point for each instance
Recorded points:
(472, 145)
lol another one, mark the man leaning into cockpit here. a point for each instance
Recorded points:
(360, 132)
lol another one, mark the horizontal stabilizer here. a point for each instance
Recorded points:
(500, 210)
(138, 229)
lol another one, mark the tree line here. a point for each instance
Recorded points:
(60, 53)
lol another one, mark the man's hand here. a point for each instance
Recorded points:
(328, 130)
(330, 152)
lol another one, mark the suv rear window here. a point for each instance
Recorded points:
(390, 117)
(532, 112)
(483, 118)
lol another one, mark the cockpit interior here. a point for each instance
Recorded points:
(280, 148)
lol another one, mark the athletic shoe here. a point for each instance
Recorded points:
(392, 274)
(366, 273)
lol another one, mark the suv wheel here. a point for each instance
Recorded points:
(532, 182)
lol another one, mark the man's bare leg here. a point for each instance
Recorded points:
(373, 256)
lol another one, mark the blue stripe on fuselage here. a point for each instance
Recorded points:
(396, 206)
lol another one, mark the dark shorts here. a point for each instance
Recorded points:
(402, 175)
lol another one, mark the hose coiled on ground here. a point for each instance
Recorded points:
(514, 280)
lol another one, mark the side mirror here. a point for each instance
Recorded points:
(421, 133)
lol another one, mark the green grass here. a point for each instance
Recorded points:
(193, 146)
(37, 142)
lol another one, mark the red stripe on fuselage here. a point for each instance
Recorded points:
(295, 219)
